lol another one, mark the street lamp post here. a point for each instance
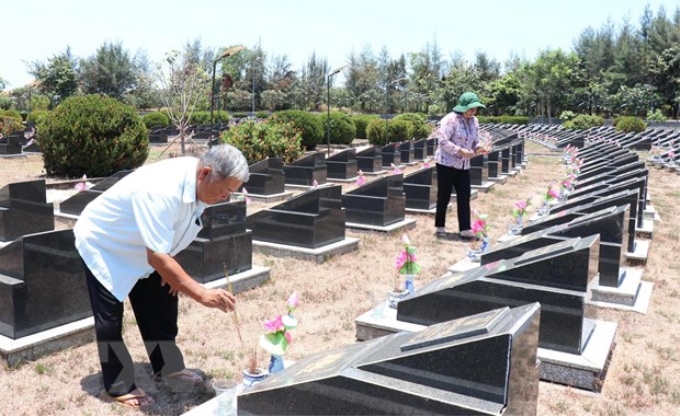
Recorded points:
(328, 106)
(253, 94)
(229, 52)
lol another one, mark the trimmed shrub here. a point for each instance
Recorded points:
(567, 115)
(342, 129)
(258, 140)
(503, 120)
(657, 115)
(583, 122)
(262, 114)
(629, 123)
(421, 130)
(360, 122)
(156, 119)
(93, 135)
(10, 121)
(309, 125)
(37, 117)
(398, 130)
(201, 118)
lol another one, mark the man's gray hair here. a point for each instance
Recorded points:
(226, 161)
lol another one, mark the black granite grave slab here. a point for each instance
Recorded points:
(431, 146)
(24, 210)
(479, 174)
(42, 284)
(420, 189)
(505, 160)
(342, 165)
(306, 170)
(266, 177)
(10, 145)
(562, 328)
(419, 149)
(312, 219)
(75, 204)
(379, 202)
(477, 365)
(223, 242)
(390, 155)
(493, 164)
(369, 160)
(406, 153)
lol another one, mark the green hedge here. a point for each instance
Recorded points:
(342, 128)
(583, 122)
(361, 122)
(156, 119)
(398, 130)
(93, 135)
(503, 120)
(421, 130)
(309, 125)
(258, 140)
(629, 123)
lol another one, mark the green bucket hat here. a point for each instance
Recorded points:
(467, 101)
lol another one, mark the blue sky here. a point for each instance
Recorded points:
(331, 29)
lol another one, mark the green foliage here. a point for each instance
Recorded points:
(156, 118)
(262, 114)
(421, 130)
(5, 102)
(360, 122)
(240, 114)
(342, 128)
(628, 124)
(567, 115)
(309, 125)
(583, 122)
(201, 118)
(11, 113)
(398, 130)
(93, 135)
(503, 120)
(258, 140)
(656, 116)
(37, 117)
(9, 125)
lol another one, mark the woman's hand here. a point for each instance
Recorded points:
(467, 154)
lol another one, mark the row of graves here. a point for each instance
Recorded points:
(43, 300)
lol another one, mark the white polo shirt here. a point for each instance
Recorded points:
(155, 207)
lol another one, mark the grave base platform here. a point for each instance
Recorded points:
(641, 252)
(484, 187)
(31, 347)
(500, 179)
(646, 229)
(262, 198)
(632, 294)
(432, 211)
(586, 371)
(318, 255)
(651, 214)
(243, 281)
(380, 172)
(340, 180)
(407, 224)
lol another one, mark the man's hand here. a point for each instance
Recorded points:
(219, 299)
(171, 289)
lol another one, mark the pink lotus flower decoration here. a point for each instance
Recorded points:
(406, 261)
(83, 185)
(479, 226)
(395, 169)
(360, 179)
(521, 208)
(277, 337)
(315, 184)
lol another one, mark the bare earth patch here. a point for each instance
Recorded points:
(642, 378)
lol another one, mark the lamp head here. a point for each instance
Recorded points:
(231, 51)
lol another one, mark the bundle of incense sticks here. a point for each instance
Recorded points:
(233, 313)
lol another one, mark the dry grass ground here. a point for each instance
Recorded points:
(642, 379)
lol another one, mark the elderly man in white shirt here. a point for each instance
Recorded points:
(128, 237)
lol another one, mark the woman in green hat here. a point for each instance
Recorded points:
(458, 143)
